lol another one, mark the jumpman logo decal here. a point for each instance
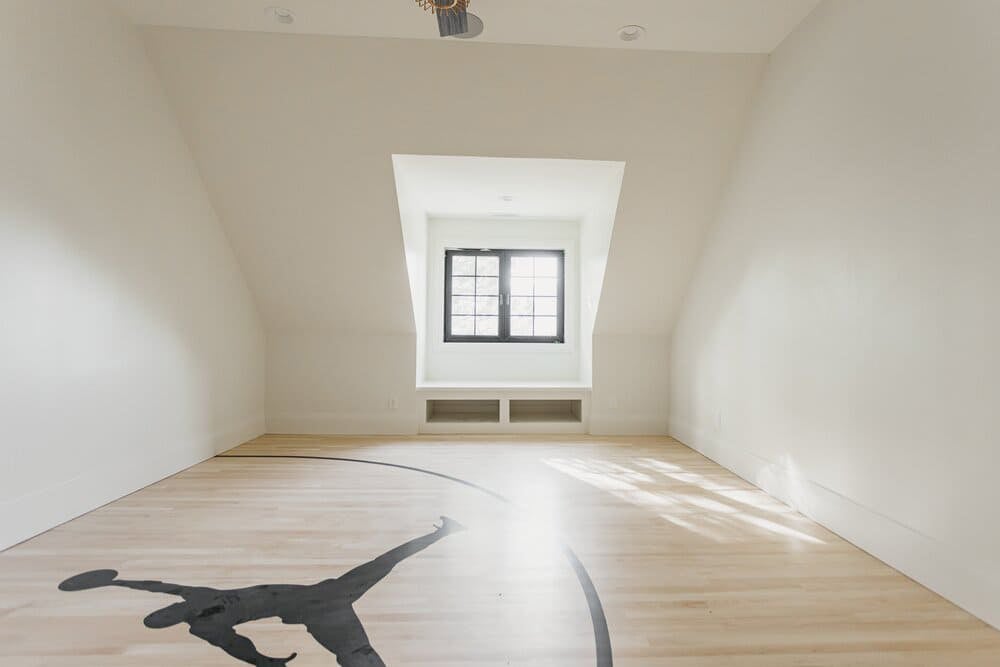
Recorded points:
(325, 608)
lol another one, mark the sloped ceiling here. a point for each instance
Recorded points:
(294, 136)
(720, 26)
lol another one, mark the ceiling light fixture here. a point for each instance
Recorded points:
(630, 33)
(453, 17)
(281, 15)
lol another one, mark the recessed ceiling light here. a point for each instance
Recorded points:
(630, 33)
(281, 15)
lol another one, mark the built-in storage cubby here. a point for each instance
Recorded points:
(443, 411)
(546, 410)
(503, 408)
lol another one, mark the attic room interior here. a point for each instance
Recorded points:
(500, 332)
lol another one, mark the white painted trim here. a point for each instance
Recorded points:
(503, 427)
(503, 391)
(493, 386)
(33, 513)
(918, 556)
(397, 422)
(617, 423)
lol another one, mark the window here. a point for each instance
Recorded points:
(503, 296)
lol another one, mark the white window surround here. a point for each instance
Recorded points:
(523, 362)
(507, 192)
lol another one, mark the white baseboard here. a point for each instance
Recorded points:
(398, 422)
(961, 580)
(33, 513)
(611, 423)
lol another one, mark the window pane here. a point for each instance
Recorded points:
(463, 286)
(545, 305)
(520, 326)
(463, 265)
(545, 286)
(522, 286)
(521, 305)
(545, 326)
(487, 266)
(522, 266)
(485, 286)
(463, 326)
(547, 267)
(463, 305)
(487, 305)
(486, 326)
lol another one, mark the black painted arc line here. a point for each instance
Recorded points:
(602, 638)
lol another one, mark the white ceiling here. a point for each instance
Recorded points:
(719, 26)
(474, 187)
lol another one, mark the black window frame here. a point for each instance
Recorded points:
(503, 326)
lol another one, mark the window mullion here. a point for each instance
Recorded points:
(504, 324)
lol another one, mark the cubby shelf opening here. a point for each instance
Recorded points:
(463, 411)
(546, 410)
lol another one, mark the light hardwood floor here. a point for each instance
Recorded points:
(693, 566)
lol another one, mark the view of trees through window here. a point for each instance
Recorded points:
(504, 295)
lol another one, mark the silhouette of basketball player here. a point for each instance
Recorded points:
(325, 608)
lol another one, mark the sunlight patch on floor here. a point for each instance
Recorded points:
(715, 511)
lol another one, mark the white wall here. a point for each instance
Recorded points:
(332, 382)
(839, 342)
(295, 135)
(129, 346)
(413, 226)
(595, 245)
(484, 362)
(631, 384)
